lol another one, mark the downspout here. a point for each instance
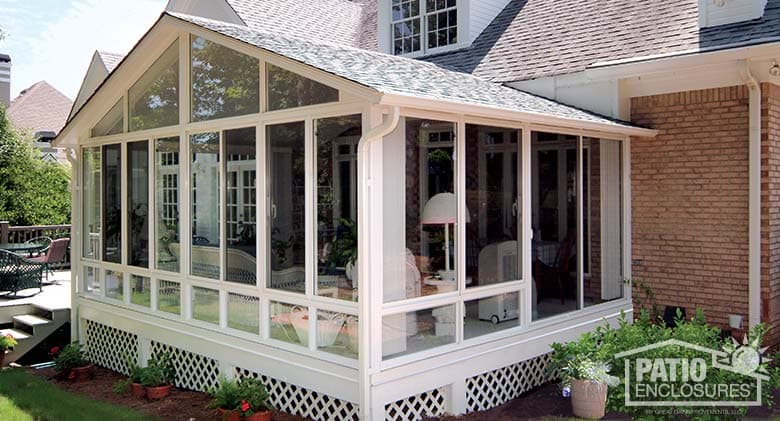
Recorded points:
(364, 312)
(754, 206)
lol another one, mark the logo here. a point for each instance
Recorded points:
(678, 373)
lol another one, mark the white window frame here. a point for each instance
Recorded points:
(422, 15)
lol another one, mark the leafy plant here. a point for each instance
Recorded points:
(346, 244)
(69, 357)
(247, 396)
(135, 371)
(227, 394)
(581, 367)
(121, 387)
(7, 341)
(159, 371)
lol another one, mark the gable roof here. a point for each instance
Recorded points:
(110, 60)
(41, 107)
(538, 38)
(389, 74)
(344, 22)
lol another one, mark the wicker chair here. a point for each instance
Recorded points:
(18, 273)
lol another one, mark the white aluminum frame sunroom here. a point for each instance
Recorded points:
(441, 231)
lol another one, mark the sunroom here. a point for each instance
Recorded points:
(374, 236)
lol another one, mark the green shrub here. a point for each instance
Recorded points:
(248, 396)
(159, 371)
(69, 357)
(227, 394)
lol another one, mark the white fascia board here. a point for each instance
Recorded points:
(476, 110)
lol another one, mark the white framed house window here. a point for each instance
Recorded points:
(423, 26)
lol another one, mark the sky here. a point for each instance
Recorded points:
(54, 40)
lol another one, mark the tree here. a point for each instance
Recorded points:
(32, 191)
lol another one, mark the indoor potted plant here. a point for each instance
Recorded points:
(71, 363)
(158, 376)
(588, 381)
(244, 400)
(6, 342)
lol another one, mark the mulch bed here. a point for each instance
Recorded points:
(181, 405)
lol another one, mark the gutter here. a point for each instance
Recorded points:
(754, 205)
(364, 309)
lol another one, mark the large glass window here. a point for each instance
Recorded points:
(91, 165)
(154, 98)
(112, 123)
(416, 331)
(138, 204)
(225, 83)
(289, 90)
(440, 20)
(240, 205)
(492, 203)
(337, 141)
(287, 180)
(112, 203)
(204, 198)
(167, 230)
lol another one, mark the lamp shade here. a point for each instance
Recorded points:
(442, 209)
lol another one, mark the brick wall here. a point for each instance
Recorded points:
(690, 200)
(770, 209)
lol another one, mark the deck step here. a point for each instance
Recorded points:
(17, 334)
(31, 320)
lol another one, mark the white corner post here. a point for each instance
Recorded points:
(754, 206)
(370, 253)
(75, 238)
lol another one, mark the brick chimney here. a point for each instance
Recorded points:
(5, 80)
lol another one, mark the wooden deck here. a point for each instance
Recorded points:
(55, 295)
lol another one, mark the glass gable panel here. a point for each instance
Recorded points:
(112, 123)
(289, 90)
(225, 83)
(154, 98)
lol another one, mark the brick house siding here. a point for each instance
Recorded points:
(690, 201)
(770, 209)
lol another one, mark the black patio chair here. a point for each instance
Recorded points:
(18, 273)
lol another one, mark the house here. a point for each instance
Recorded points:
(390, 209)
(41, 110)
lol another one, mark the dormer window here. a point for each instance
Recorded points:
(423, 25)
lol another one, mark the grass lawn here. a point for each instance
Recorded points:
(26, 397)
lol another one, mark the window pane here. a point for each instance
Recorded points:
(114, 285)
(493, 203)
(337, 333)
(603, 201)
(112, 203)
(169, 297)
(290, 323)
(240, 211)
(91, 281)
(204, 168)
(244, 313)
(167, 230)
(138, 203)
(154, 99)
(225, 83)
(112, 123)
(286, 169)
(141, 290)
(488, 315)
(91, 205)
(404, 334)
(205, 305)
(337, 206)
(420, 243)
(554, 216)
(289, 90)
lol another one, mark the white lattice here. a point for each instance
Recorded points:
(303, 402)
(499, 386)
(425, 405)
(109, 347)
(193, 371)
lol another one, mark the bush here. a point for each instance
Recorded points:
(247, 396)
(69, 357)
(605, 342)
(158, 372)
(227, 395)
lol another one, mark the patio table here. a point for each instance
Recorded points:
(22, 248)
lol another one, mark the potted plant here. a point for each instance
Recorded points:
(588, 381)
(244, 400)
(135, 376)
(71, 363)
(226, 398)
(158, 376)
(6, 342)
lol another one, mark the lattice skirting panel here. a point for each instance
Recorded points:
(499, 386)
(306, 403)
(193, 371)
(424, 405)
(109, 347)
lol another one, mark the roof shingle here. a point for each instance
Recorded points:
(41, 107)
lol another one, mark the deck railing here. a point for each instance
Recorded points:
(20, 234)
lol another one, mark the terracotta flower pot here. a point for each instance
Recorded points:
(259, 416)
(2, 358)
(138, 390)
(158, 392)
(80, 374)
(228, 415)
(588, 398)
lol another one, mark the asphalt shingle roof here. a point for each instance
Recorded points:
(41, 107)
(111, 60)
(397, 75)
(537, 38)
